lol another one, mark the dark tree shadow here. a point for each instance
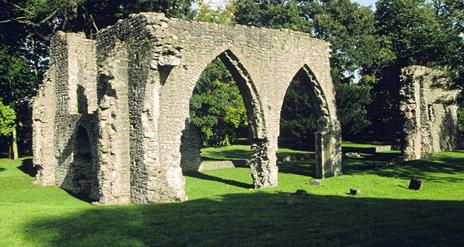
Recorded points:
(259, 219)
(385, 164)
(203, 176)
(304, 168)
(2, 169)
(229, 155)
(28, 167)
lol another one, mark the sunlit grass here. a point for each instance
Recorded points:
(223, 210)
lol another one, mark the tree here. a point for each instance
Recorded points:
(353, 101)
(272, 14)
(450, 15)
(8, 127)
(220, 16)
(216, 106)
(298, 122)
(418, 33)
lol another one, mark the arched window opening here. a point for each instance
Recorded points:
(82, 168)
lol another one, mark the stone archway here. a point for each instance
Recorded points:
(146, 68)
(263, 173)
(328, 134)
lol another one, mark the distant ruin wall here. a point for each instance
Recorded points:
(429, 112)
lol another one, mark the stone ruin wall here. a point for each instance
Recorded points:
(137, 79)
(429, 112)
(65, 102)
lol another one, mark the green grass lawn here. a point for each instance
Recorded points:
(223, 211)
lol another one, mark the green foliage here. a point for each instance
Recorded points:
(349, 27)
(352, 104)
(417, 32)
(450, 14)
(356, 48)
(298, 121)
(43, 17)
(412, 28)
(216, 106)
(7, 120)
(461, 122)
(17, 80)
(219, 16)
(272, 14)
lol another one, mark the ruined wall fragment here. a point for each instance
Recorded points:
(429, 111)
(66, 101)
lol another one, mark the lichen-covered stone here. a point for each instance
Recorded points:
(128, 93)
(429, 111)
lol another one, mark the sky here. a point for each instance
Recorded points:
(362, 2)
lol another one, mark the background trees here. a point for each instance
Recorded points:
(8, 128)
(216, 106)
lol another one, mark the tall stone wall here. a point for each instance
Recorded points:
(146, 68)
(62, 106)
(429, 112)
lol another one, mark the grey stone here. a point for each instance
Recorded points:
(353, 155)
(301, 193)
(415, 184)
(429, 111)
(354, 191)
(126, 95)
(315, 182)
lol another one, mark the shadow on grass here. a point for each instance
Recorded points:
(2, 169)
(28, 167)
(260, 219)
(203, 176)
(433, 169)
(377, 164)
(232, 154)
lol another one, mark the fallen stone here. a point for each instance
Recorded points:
(353, 155)
(354, 191)
(315, 182)
(415, 184)
(300, 192)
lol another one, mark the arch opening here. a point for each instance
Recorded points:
(306, 130)
(226, 91)
(82, 166)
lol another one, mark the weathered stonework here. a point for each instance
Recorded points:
(429, 112)
(126, 95)
(64, 117)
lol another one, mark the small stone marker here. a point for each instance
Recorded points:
(354, 191)
(353, 155)
(415, 184)
(315, 182)
(300, 192)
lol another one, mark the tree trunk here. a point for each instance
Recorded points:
(14, 145)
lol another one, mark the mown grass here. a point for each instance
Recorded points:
(223, 211)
